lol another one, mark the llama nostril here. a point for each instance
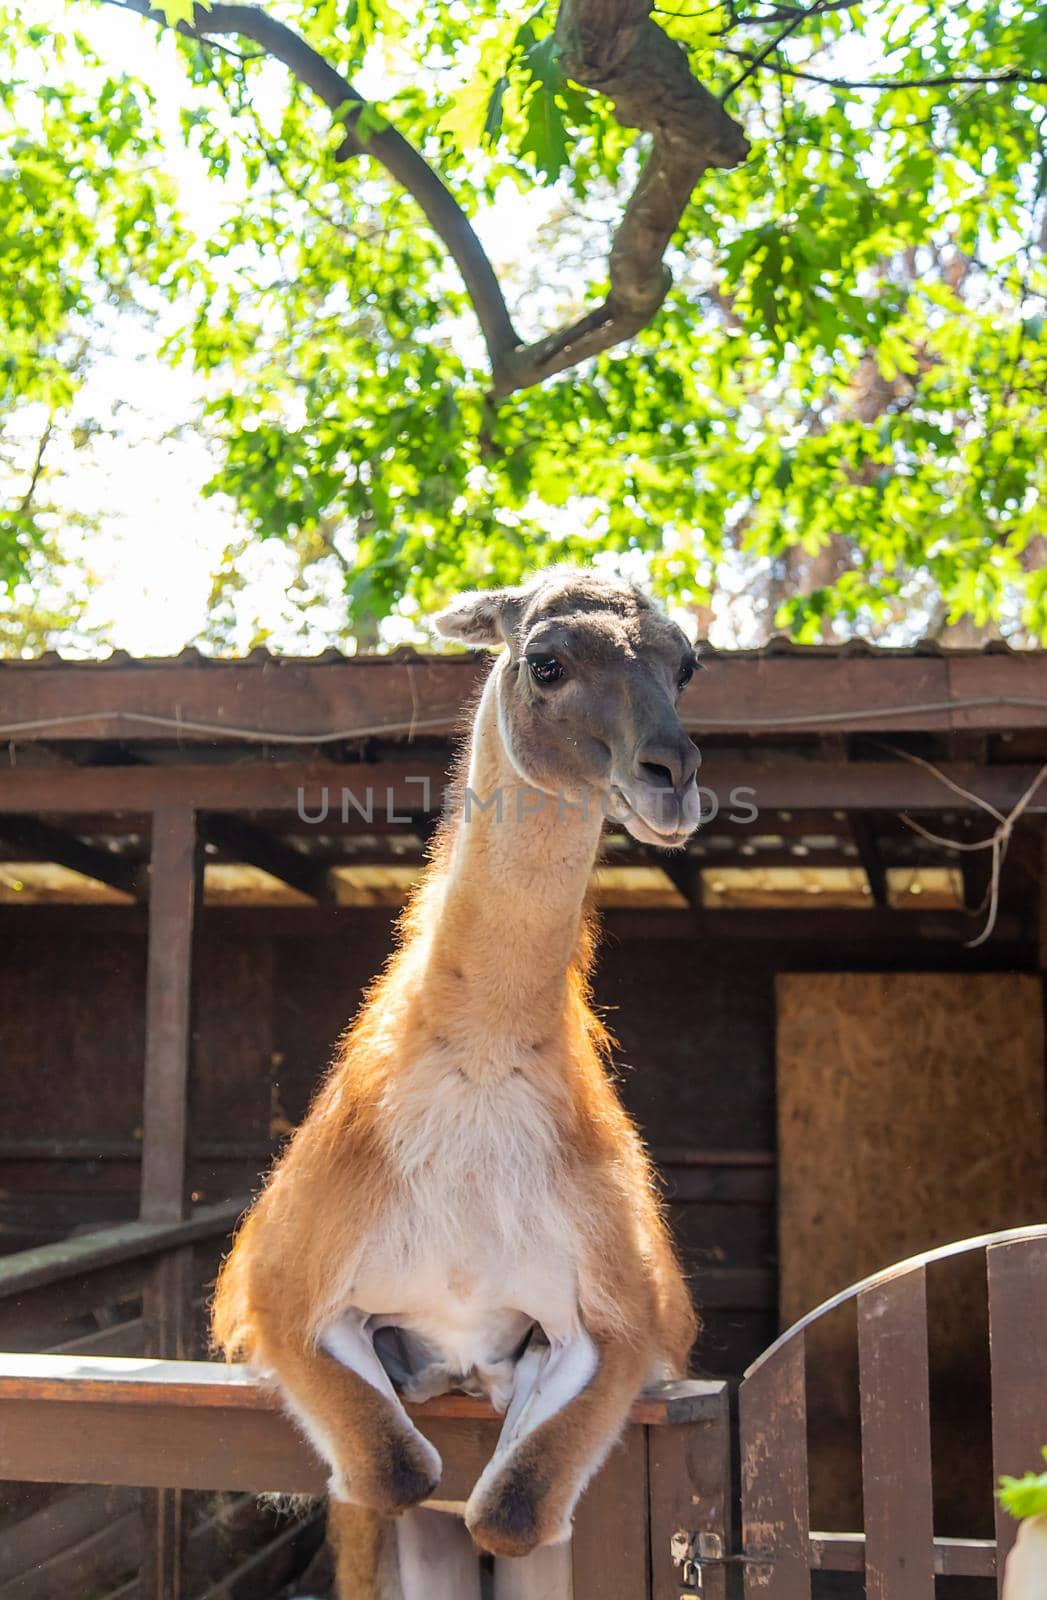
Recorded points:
(659, 775)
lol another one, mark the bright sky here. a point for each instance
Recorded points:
(161, 537)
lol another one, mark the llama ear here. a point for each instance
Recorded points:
(485, 617)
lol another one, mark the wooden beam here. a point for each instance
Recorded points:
(86, 1253)
(174, 890)
(208, 1386)
(367, 796)
(684, 872)
(795, 691)
(27, 838)
(864, 835)
(244, 842)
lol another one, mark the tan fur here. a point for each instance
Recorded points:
(468, 1153)
(365, 1553)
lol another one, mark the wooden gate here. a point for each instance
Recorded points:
(898, 1550)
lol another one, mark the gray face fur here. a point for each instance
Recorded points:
(587, 695)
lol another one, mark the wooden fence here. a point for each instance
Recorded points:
(179, 1425)
(656, 1522)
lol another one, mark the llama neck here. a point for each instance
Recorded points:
(507, 914)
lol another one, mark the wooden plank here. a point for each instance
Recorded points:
(361, 796)
(127, 1241)
(212, 1385)
(610, 1547)
(319, 794)
(740, 691)
(1017, 1273)
(28, 838)
(830, 940)
(41, 1319)
(88, 1567)
(772, 1406)
(118, 1339)
(242, 841)
(173, 1446)
(896, 1439)
(689, 1477)
(165, 1446)
(985, 676)
(360, 698)
(465, 1445)
(953, 1558)
(162, 1529)
(735, 1288)
(176, 865)
(62, 1524)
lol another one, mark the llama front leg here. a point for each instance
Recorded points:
(570, 1403)
(423, 1555)
(341, 1396)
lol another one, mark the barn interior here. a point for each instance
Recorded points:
(828, 1008)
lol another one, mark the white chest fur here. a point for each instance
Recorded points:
(475, 1243)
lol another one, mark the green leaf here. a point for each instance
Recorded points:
(1026, 1496)
(176, 11)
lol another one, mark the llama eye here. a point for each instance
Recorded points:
(545, 669)
(686, 674)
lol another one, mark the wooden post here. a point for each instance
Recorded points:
(896, 1439)
(772, 1425)
(177, 863)
(609, 1549)
(689, 1474)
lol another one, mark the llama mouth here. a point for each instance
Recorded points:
(644, 830)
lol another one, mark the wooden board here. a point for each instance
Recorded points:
(212, 1385)
(910, 1113)
(740, 690)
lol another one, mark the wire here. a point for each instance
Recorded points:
(225, 730)
(409, 727)
(998, 841)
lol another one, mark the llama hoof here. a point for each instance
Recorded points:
(508, 1520)
(411, 1473)
(408, 1475)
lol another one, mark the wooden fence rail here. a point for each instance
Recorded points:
(198, 1425)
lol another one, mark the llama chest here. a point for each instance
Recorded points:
(476, 1242)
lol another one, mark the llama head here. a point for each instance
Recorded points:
(587, 689)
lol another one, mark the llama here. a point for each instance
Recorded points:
(467, 1204)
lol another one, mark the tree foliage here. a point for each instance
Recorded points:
(836, 403)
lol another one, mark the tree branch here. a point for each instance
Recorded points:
(399, 158)
(756, 61)
(782, 70)
(613, 47)
(38, 466)
(610, 46)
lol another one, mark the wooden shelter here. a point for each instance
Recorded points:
(200, 865)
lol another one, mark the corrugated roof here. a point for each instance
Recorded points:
(780, 645)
